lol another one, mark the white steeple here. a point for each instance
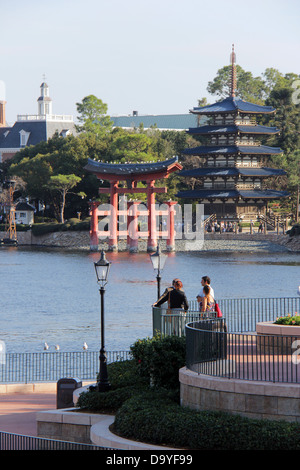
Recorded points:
(44, 101)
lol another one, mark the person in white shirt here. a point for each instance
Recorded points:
(205, 281)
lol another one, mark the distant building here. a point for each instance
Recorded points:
(30, 129)
(175, 122)
(24, 213)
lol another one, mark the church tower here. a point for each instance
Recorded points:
(44, 101)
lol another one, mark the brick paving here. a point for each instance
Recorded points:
(18, 411)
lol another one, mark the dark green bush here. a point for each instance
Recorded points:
(159, 359)
(42, 229)
(294, 231)
(71, 224)
(125, 382)
(124, 374)
(19, 227)
(162, 421)
(82, 225)
(105, 402)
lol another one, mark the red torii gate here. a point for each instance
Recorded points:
(132, 173)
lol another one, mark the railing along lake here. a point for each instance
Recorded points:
(51, 366)
(229, 346)
(241, 314)
(240, 317)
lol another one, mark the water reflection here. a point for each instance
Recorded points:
(49, 295)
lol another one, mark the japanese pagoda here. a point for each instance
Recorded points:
(231, 178)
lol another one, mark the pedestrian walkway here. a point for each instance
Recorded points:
(18, 411)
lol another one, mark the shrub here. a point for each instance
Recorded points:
(159, 359)
(124, 374)
(160, 421)
(42, 229)
(105, 402)
(294, 231)
(19, 227)
(82, 225)
(288, 320)
(125, 382)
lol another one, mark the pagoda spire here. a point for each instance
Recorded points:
(233, 73)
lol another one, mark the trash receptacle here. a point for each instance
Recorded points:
(65, 389)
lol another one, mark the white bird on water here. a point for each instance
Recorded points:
(46, 347)
(85, 346)
(57, 347)
(299, 290)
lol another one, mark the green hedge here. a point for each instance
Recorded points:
(161, 421)
(154, 415)
(69, 225)
(19, 227)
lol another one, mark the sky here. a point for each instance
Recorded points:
(154, 57)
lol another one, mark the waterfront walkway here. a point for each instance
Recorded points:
(18, 409)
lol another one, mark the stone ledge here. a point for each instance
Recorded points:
(188, 377)
(92, 428)
(262, 400)
(37, 387)
(42, 387)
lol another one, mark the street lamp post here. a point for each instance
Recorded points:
(158, 260)
(102, 269)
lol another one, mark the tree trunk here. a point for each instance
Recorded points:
(62, 207)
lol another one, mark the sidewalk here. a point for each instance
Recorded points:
(18, 410)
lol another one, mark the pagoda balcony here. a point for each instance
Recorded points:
(220, 185)
(247, 143)
(245, 122)
(244, 186)
(224, 164)
(248, 165)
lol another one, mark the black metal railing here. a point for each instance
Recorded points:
(210, 350)
(241, 314)
(9, 441)
(51, 366)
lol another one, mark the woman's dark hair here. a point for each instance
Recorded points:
(206, 290)
(206, 279)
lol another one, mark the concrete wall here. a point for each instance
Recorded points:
(262, 400)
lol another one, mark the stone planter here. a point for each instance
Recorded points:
(276, 339)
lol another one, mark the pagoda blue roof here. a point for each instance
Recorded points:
(233, 104)
(232, 193)
(232, 171)
(233, 129)
(233, 149)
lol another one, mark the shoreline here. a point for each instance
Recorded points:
(270, 242)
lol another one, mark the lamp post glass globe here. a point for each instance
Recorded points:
(102, 269)
(158, 260)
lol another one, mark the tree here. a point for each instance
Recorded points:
(248, 88)
(286, 118)
(63, 184)
(59, 155)
(93, 116)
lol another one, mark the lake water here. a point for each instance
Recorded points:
(51, 295)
